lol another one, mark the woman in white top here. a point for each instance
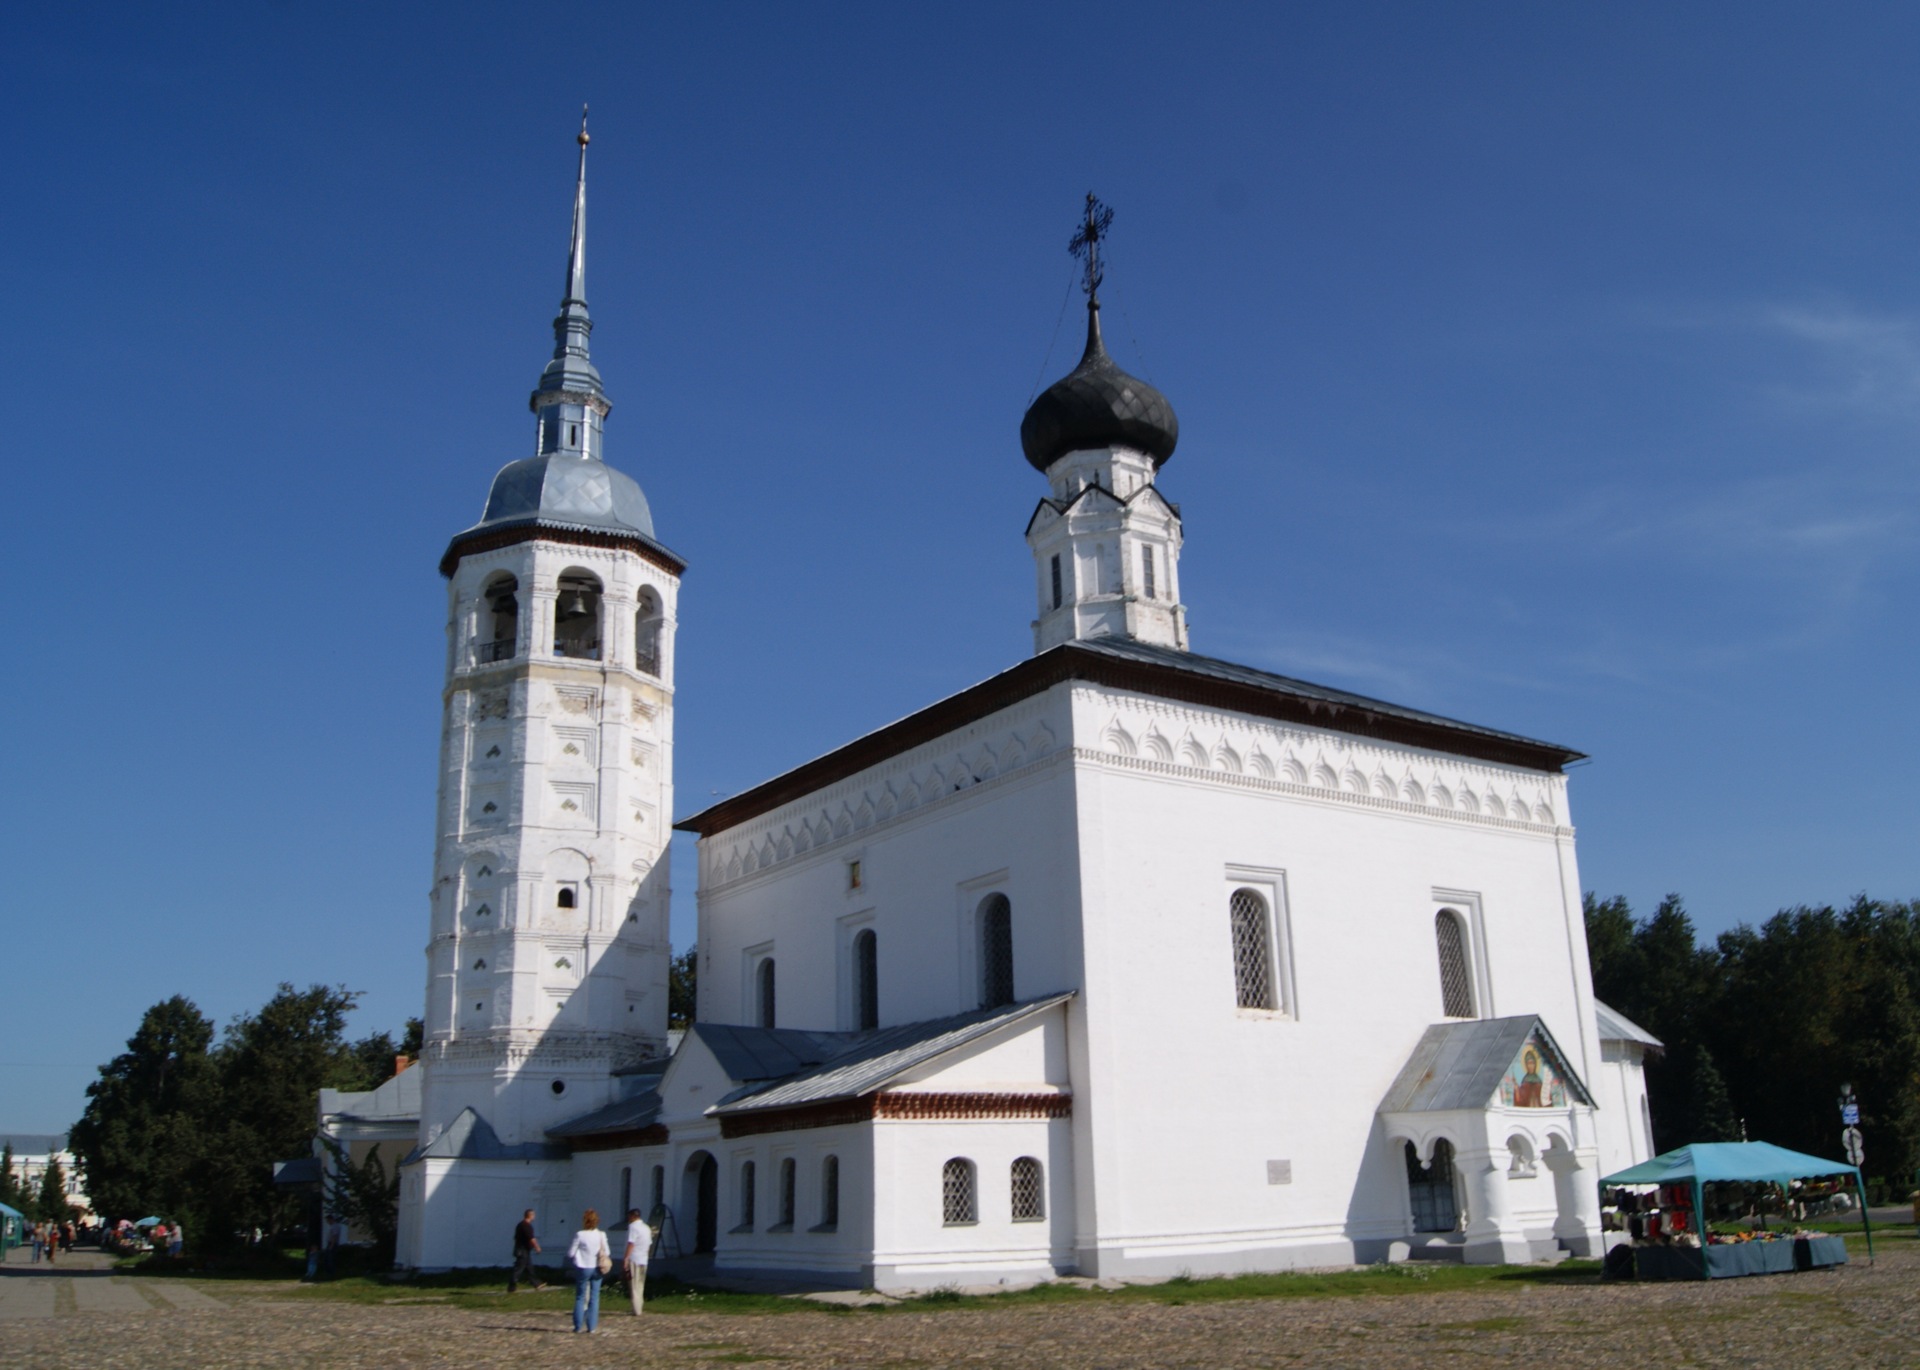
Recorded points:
(589, 1258)
(639, 1240)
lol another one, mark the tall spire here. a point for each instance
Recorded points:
(577, 258)
(570, 401)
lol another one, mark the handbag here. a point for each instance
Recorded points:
(605, 1261)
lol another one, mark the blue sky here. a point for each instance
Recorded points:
(1553, 367)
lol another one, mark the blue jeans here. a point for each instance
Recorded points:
(586, 1298)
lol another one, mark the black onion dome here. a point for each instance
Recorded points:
(1098, 405)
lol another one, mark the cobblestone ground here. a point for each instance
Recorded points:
(1858, 1316)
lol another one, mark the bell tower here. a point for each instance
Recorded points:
(547, 956)
(1106, 543)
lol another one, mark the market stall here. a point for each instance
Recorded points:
(1662, 1204)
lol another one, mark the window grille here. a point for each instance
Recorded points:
(957, 1203)
(866, 979)
(1029, 1203)
(1252, 952)
(786, 1191)
(766, 992)
(1056, 582)
(1456, 989)
(996, 951)
(830, 1192)
(746, 1195)
(1146, 565)
(1430, 1189)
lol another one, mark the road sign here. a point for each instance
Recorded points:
(1851, 1140)
(1850, 1114)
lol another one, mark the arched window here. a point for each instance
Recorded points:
(1029, 1197)
(646, 634)
(500, 625)
(996, 951)
(1252, 951)
(568, 898)
(659, 1199)
(830, 1192)
(866, 979)
(959, 1204)
(626, 1190)
(787, 1168)
(746, 1196)
(576, 617)
(1146, 569)
(1456, 986)
(764, 976)
(1430, 1189)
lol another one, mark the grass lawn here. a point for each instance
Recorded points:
(486, 1289)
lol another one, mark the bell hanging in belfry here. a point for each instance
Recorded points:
(578, 608)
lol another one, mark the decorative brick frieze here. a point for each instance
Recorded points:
(898, 1106)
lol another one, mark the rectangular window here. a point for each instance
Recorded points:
(1146, 568)
(853, 875)
(1056, 580)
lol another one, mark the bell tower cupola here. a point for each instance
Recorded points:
(1106, 543)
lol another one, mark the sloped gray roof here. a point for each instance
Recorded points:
(469, 1137)
(625, 1115)
(396, 1100)
(1459, 1065)
(875, 1058)
(754, 1053)
(1615, 1026)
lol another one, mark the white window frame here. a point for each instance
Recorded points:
(1473, 928)
(845, 930)
(750, 959)
(968, 897)
(1270, 883)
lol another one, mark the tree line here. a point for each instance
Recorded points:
(186, 1122)
(1764, 1025)
(46, 1201)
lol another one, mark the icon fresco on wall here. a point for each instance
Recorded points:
(1533, 1081)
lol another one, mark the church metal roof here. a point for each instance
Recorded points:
(1615, 1026)
(874, 1059)
(755, 1053)
(1160, 672)
(469, 1137)
(1460, 1065)
(625, 1115)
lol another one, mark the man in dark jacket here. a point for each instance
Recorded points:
(525, 1244)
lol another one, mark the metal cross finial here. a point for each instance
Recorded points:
(1085, 245)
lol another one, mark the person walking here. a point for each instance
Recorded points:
(38, 1232)
(639, 1240)
(525, 1244)
(589, 1258)
(49, 1238)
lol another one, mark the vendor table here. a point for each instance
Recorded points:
(1730, 1259)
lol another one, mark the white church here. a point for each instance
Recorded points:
(1124, 962)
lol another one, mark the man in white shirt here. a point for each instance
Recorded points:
(639, 1239)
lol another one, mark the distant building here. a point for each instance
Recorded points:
(33, 1152)
(1126, 961)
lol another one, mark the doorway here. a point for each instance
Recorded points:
(1430, 1189)
(700, 1190)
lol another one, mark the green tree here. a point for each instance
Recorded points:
(271, 1065)
(10, 1194)
(683, 987)
(51, 1202)
(413, 1039)
(364, 1196)
(140, 1143)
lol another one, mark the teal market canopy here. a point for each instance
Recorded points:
(1711, 1162)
